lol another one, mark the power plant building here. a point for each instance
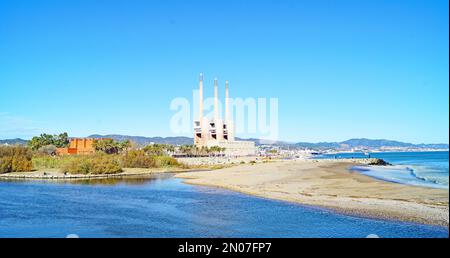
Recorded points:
(217, 131)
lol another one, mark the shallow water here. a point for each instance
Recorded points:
(429, 169)
(166, 207)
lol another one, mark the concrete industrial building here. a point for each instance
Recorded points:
(217, 131)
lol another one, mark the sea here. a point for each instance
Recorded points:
(427, 169)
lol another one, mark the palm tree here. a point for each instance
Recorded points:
(208, 151)
(188, 149)
(170, 148)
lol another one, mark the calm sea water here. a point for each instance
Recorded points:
(430, 169)
(166, 207)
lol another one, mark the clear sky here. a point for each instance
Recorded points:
(340, 69)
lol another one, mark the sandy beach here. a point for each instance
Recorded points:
(329, 184)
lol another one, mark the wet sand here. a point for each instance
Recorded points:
(329, 183)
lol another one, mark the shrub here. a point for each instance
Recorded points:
(48, 149)
(15, 159)
(5, 164)
(41, 161)
(137, 159)
(165, 161)
(93, 164)
(44, 161)
(106, 165)
(141, 159)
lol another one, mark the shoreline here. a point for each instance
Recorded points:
(331, 185)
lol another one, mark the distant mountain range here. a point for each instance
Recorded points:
(13, 141)
(364, 143)
(360, 143)
(142, 141)
(178, 140)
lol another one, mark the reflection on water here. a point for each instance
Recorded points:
(165, 207)
(128, 180)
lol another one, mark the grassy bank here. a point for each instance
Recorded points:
(92, 164)
(101, 163)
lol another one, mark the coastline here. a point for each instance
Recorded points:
(330, 184)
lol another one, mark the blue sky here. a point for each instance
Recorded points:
(340, 69)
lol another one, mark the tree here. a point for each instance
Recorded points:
(126, 145)
(159, 149)
(109, 146)
(59, 141)
(215, 150)
(187, 149)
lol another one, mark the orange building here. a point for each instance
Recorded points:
(78, 146)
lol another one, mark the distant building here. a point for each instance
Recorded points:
(217, 131)
(78, 146)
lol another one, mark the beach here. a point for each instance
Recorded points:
(330, 184)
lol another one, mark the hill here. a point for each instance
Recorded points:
(364, 143)
(142, 140)
(13, 141)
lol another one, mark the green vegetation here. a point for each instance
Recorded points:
(15, 159)
(192, 150)
(110, 157)
(109, 146)
(159, 149)
(44, 161)
(93, 164)
(165, 161)
(48, 150)
(137, 159)
(217, 166)
(58, 141)
(141, 159)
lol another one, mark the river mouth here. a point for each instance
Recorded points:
(163, 206)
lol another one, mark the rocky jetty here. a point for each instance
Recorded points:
(378, 162)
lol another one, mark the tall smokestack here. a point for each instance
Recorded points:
(227, 114)
(216, 100)
(200, 116)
